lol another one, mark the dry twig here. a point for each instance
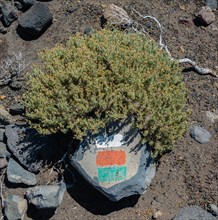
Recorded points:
(199, 70)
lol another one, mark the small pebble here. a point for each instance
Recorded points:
(201, 135)
(157, 215)
(214, 209)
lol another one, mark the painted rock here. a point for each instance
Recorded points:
(115, 162)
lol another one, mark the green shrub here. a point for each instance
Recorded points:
(111, 75)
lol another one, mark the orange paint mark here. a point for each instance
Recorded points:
(109, 158)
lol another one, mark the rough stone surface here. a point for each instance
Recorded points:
(212, 4)
(2, 134)
(17, 174)
(30, 148)
(16, 109)
(3, 163)
(213, 209)
(44, 197)
(116, 15)
(5, 117)
(15, 207)
(201, 135)
(205, 16)
(115, 162)
(193, 213)
(34, 21)
(9, 14)
(3, 150)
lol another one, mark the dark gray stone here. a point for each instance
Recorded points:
(3, 150)
(35, 21)
(17, 174)
(193, 213)
(44, 197)
(15, 207)
(211, 3)
(30, 148)
(131, 173)
(88, 31)
(2, 134)
(9, 14)
(201, 135)
(16, 109)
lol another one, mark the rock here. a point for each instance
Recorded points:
(2, 134)
(30, 148)
(205, 16)
(193, 213)
(5, 117)
(15, 207)
(3, 163)
(3, 151)
(157, 215)
(88, 31)
(26, 4)
(36, 20)
(115, 162)
(9, 14)
(212, 116)
(116, 15)
(16, 109)
(212, 4)
(201, 135)
(213, 209)
(17, 174)
(44, 197)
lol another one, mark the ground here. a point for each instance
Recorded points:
(188, 174)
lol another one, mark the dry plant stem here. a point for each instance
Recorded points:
(1, 192)
(12, 67)
(199, 70)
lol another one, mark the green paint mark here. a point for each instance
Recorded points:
(111, 174)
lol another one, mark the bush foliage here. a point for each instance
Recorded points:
(108, 76)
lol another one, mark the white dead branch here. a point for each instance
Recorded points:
(199, 70)
(118, 19)
(12, 67)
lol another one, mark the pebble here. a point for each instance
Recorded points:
(213, 209)
(201, 135)
(157, 215)
(205, 16)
